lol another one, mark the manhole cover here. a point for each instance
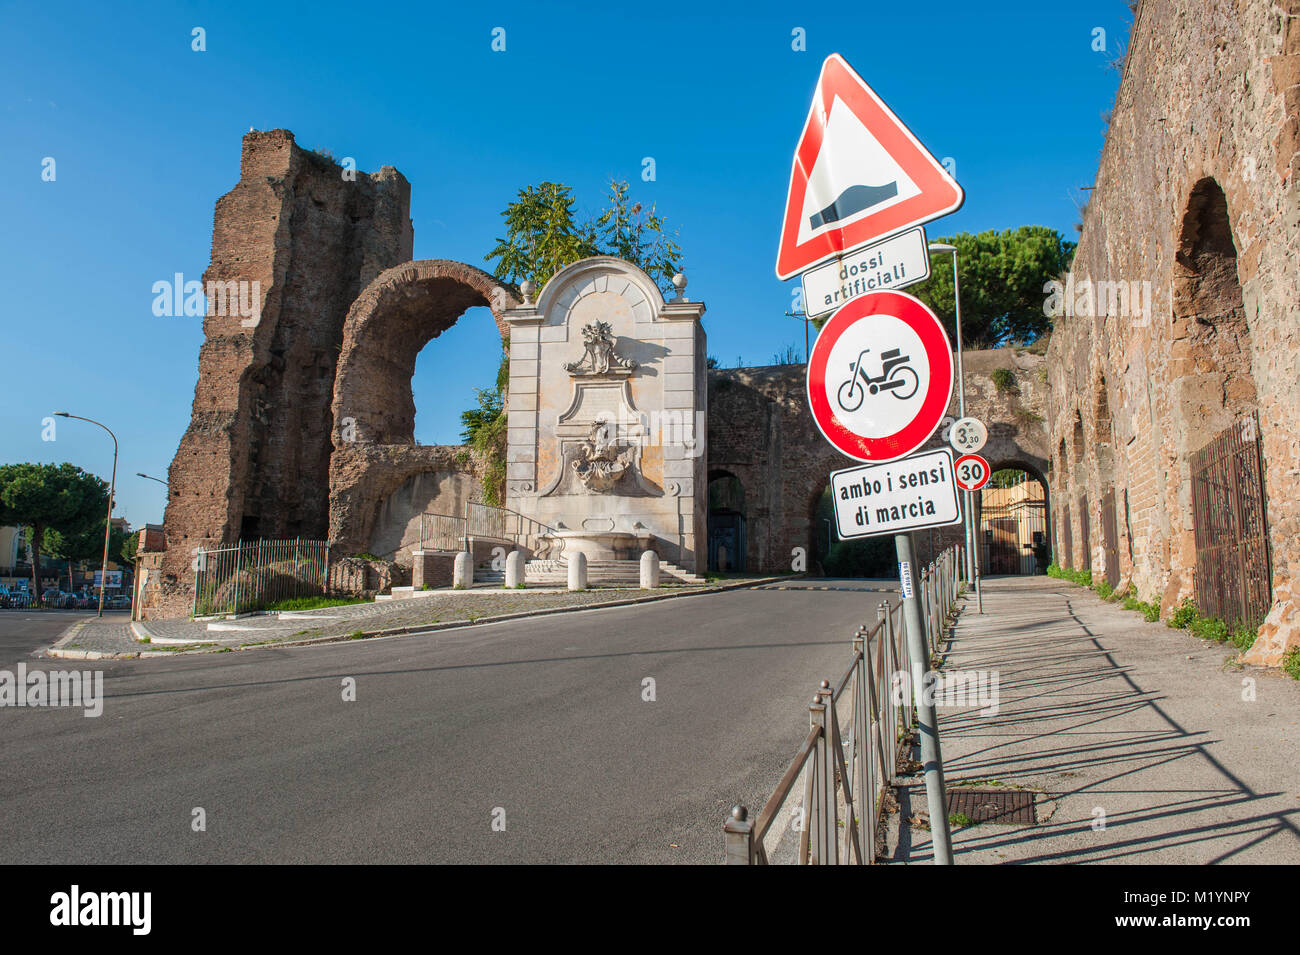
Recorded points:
(1005, 806)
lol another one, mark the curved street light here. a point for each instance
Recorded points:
(152, 478)
(108, 521)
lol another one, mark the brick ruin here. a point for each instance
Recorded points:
(1197, 195)
(761, 432)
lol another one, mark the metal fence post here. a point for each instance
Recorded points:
(822, 824)
(739, 834)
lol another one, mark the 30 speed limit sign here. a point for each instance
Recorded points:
(971, 472)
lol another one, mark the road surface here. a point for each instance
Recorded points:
(540, 723)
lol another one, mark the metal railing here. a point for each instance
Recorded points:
(501, 523)
(853, 774)
(254, 575)
(442, 532)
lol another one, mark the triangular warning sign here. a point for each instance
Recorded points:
(858, 175)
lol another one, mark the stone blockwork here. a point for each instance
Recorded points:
(1196, 195)
(762, 433)
(255, 459)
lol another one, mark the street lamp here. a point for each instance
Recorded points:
(972, 558)
(151, 478)
(108, 521)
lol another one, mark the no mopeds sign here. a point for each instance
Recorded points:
(880, 376)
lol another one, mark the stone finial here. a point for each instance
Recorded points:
(526, 288)
(679, 283)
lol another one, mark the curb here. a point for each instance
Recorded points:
(451, 624)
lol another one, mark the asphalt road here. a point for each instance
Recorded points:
(540, 720)
(24, 631)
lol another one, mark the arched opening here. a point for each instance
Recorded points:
(1222, 551)
(451, 371)
(726, 523)
(381, 479)
(1014, 532)
(1210, 350)
(869, 557)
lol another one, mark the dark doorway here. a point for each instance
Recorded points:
(727, 543)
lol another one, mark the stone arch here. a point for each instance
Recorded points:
(1210, 346)
(396, 315)
(1037, 470)
(727, 510)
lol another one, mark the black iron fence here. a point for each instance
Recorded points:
(1233, 569)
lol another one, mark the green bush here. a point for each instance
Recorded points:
(1242, 637)
(1104, 590)
(1210, 628)
(1291, 663)
(1081, 577)
(1151, 612)
(1185, 615)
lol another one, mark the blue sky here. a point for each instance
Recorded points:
(146, 136)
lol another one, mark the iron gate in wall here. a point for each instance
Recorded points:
(1233, 571)
(1110, 537)
(1014, 538)
(1065, 539)
(1085, 537)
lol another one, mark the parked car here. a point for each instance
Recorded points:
(18, 600)
(58, 599)
(119, 602)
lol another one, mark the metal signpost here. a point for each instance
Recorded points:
(968, 435)
(880, 376)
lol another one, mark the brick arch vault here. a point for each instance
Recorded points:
(377, 472)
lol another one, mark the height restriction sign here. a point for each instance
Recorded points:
(880, 376)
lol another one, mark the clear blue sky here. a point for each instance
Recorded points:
(146, 136)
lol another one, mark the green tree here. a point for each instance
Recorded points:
(544, 234)
(47, 497)
(1002, 278)
(485, 432)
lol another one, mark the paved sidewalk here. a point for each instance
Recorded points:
(1116, 720)
(96, 639)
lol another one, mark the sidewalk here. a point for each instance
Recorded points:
(1119, 723)
(116, 637)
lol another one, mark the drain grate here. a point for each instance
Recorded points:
(1004, 806)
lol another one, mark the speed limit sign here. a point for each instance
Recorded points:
(972, 472)
(968, 435)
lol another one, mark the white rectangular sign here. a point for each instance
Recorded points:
(900, 496)
(114, 578)
(894, 263)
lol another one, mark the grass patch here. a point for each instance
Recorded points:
(357, 635)
(1291, 663)
(313, 603)
(1004, 380)
(1081, 577)
(960, 819)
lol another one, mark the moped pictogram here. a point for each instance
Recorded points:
(896, 377)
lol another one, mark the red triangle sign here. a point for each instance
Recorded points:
(859, 174)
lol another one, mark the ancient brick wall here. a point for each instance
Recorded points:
(762, 432)
(1196, 195)
(255, 459)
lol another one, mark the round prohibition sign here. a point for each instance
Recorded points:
(971, 472)
(880, 376)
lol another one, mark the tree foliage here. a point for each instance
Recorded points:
(1002, 278)
(544, 234)
(59, 504)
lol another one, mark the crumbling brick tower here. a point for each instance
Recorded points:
(255, 459)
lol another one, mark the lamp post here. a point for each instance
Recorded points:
(968, 524)
(108, 521)
(151, 478)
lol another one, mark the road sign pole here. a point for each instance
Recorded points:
(919, 655)
(972, 532)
